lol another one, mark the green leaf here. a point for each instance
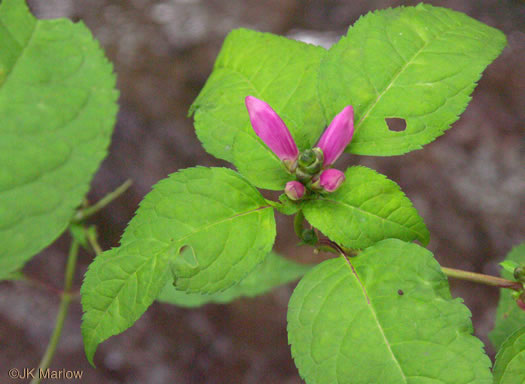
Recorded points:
(286, 206)
(278, 70)
(415, 63)
(214, 212)
(273, 271)
(509, 265)
(119, 286)
(58, 108)
(256, 161)
(509, 317)
(509, 367)
(367, 208)
(386, 316)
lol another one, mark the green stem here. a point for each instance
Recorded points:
(62, 312)
(482, 279)
(298, 224)
(92, 239)
(86, 212)
(450, 272)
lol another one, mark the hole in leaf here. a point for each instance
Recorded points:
(396, 124)
(187, 256)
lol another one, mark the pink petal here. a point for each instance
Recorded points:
(331, 179)
(337, 136)
(271, 129)
(294, 190)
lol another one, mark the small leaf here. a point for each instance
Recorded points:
(418, 63)
(57, 108)
(287, 206)
(280, 71)
(272, 272)
(385, 316)
(214, 212)
(509, 317)
(367, 208)
(509, 367)
(509, 265)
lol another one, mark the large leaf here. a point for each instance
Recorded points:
(367, 208)
(57, 108)
(509, 317)
(385, 316)
(272, 272)
(509, 367)
(278, 70)
(416, 63)
(224, 223)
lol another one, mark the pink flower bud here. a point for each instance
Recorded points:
(331, 179)
(271, 129)
(337, 136)
(294, 190)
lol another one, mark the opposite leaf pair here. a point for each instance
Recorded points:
(310, 166)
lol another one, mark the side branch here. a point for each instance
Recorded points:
(482, 279)
(494, 281)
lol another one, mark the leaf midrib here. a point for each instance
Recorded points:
(206, 227)
(105, 311)
(396, 76)
(374, 315)
(22, 51)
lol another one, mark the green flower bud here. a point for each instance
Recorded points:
(519, 274)
(309, 237)
(306, 158)
(302, 176)
(311, 161)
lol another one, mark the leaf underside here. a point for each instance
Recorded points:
(272, 272)
(58, 108)
(386, 316)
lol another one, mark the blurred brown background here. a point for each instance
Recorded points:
(468, 185)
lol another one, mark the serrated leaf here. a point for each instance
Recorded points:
(509, 367)
(119, 286)
(367, 208)
(509, 317)
(215, 212)
(418, 63)
(272, 272)
(58, 108)
(278, 70)
(386, 316)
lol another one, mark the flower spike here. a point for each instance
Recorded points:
(331, 179)
(271, 129)
(294, 190)
(337, 136)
